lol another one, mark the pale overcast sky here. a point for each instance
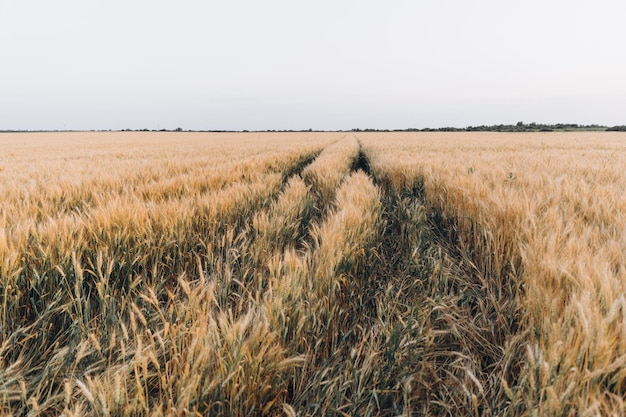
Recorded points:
(278, 64)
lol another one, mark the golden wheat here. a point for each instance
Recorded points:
(312, 274)
(546, 211)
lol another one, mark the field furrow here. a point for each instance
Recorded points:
(452, 321)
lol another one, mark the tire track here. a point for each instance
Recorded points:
(241, 258)
(434, 317)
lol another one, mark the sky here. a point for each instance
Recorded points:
(328, 65)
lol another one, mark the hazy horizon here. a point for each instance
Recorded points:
(243, 65)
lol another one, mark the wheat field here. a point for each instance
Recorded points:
(312, 274)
